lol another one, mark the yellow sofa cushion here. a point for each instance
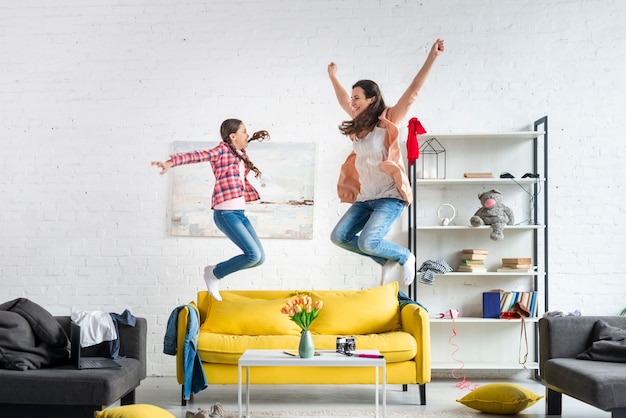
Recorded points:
(396, 346)
(242, 315)
(352, 312)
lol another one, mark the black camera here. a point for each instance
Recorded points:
(346, 345)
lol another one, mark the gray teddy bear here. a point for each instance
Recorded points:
(493, 212)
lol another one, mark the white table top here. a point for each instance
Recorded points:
(326, 358)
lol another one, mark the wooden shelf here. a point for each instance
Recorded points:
(506, 136)
(477, 228)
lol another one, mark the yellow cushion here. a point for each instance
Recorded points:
(134, 411)
(500, 398)
(241, 315)
(357, 311)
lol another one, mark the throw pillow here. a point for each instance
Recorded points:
(241, 315)
(134, 411)
(500, 398)
(609, 344)
(353, 312)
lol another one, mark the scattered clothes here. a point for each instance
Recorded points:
(30, 337)
(126, 318)
(194, 377)
(562, 313)
(404, 299)
(430, 268)
(95, 327)
(217, 411)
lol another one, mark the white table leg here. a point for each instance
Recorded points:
(385, 390)
(376, 396)
(248, 392)
(239, 389)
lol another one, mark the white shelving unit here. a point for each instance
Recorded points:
(471, 341)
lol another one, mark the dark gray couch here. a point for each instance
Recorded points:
(598, 383)
(70, 393)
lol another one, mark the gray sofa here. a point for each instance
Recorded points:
(598, 383)
(66, 392)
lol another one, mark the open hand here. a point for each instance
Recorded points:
(164, 166)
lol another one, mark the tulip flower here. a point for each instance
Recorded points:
(302, 310)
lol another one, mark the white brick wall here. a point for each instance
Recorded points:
(92, 91)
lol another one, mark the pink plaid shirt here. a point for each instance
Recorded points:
(226, 170)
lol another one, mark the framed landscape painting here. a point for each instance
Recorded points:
(286, 188)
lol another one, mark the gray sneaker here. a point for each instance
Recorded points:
(201, 413)
(217, 411)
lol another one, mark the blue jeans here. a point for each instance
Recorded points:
(236, 226)
(363, 227)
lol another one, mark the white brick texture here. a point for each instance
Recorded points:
(92, 91)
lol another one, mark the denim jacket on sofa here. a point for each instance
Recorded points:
(195, 379)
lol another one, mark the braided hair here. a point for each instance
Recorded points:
(230, 126)
(368, 119)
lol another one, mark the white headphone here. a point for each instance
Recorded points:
(445, 221)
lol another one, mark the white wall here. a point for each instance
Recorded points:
(92, 91)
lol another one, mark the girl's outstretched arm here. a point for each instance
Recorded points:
(342, 95)
(400, 110)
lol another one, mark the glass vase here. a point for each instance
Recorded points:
(306, 349)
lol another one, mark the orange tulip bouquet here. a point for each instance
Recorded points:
(302, 310)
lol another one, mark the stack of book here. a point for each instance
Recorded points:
(478, 175)
(528, 299)
(514, 265)
(473, 260)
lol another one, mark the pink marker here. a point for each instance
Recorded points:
(370, 356)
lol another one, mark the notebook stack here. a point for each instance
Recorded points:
(473, 260)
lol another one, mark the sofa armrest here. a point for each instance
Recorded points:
(133, 341)
(415, 321)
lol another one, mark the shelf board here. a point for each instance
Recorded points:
(474, 181)
(480, 136)
(475, 320)
(471, 228)
(531, 365)
(489, 273)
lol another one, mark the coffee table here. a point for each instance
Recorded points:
(278, 358)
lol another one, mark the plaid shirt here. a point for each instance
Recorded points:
(226, 170)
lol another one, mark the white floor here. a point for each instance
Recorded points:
(441, 396)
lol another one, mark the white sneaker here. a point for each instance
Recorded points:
(388, 268)
(212, 283)
(408, 270)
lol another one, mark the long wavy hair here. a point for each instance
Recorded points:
(365, 122)
(230, 126)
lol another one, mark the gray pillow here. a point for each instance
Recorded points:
(609, 344)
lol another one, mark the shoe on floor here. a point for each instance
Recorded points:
(201, 413)
(212, 283)
(217, 411)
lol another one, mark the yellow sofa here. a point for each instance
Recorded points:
(251, 319)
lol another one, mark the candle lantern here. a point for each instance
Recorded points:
(433, 156)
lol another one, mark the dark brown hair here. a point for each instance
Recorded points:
(367, 120)
(230, 126)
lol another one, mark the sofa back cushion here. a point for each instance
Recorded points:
(237, 314)
(354, 312)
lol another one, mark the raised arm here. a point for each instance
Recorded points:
(342, 95)
(400, 110)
